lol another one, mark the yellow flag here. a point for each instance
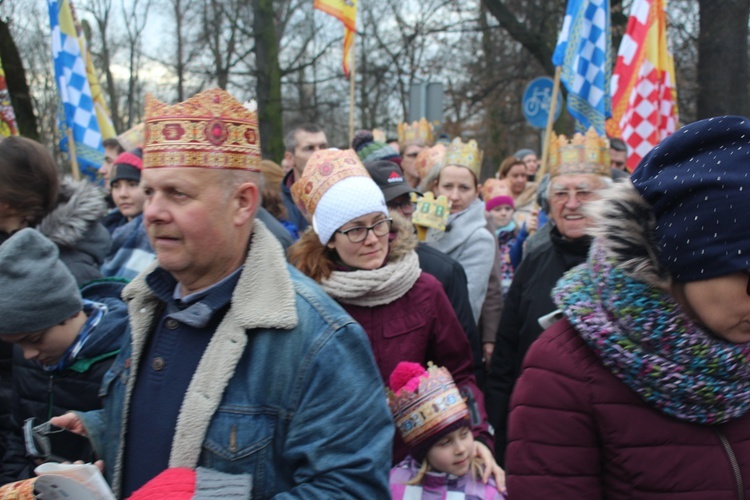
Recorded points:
(346, 12)
(106, 128)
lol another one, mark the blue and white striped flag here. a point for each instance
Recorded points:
(584, 50)
(77, 107)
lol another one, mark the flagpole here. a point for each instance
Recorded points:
(550, 122)
(73, 158)
(352, 70)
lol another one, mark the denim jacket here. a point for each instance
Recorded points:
(287, 390)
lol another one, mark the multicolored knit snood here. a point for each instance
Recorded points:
(645, 339)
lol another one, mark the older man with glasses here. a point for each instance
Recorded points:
(574, 181)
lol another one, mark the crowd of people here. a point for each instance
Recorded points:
(218, 324)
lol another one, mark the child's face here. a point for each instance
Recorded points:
(129, 197)
(453, 453)
(502, 215)
(48, 346)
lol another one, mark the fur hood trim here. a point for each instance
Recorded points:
(80, 205)
(406, 236)
(624, 224)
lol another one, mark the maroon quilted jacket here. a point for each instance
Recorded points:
(575, 431)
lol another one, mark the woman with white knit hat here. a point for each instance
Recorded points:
(364, 258)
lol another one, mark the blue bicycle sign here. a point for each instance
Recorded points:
(536, 101)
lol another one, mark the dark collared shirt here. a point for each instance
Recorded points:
(175, 347)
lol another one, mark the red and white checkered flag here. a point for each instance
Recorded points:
(644, 96)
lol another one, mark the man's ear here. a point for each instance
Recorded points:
(247, 199)
(288, 156)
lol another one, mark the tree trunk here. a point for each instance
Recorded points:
(15, 79)
(179, 55)
(268, 87)
(723, 58)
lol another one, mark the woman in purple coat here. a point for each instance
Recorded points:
(364, 258)
(642, 390)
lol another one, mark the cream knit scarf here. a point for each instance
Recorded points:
(370, 288)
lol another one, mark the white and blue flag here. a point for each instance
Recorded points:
(77, 111)
(584, 50)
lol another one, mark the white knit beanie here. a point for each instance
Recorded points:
(348, 199)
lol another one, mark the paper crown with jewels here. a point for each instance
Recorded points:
(209, 130)
(378, 135)
(428, 158)
(427, 403)
(583, 154)
(432, 212)
(324, 169)
(464, 154)
(420, 132)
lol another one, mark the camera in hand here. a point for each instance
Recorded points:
(52, 443)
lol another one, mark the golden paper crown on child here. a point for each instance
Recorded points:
(209, 130)
(494, 187)
(583, 154)
(464, 154)
(420, 132)
(324, 169)
(431, 212)
(428, 158)
(434, 405)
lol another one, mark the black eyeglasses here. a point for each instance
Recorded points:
(359, 234)
(406, 206)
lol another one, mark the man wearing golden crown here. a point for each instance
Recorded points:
(237, 365)
(578, 169)
(412, 139)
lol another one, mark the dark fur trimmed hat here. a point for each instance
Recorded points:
(697, 182)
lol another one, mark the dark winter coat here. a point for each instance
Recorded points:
(576, 431)
(74, 227)
(528, 299)
(41, 394)
(451, 275)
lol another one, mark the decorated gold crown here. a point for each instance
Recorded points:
(132, 138)
(494, 187)
(432, 212)
(209, 130)
(378, 135)
(324, 169)
(435, 405)
(464, 154)
(428, 158)
(420, 132)
(583, 154)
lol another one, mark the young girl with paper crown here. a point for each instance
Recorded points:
(434, 421)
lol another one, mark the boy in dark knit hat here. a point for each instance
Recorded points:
(131, 250)
(65, 338)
